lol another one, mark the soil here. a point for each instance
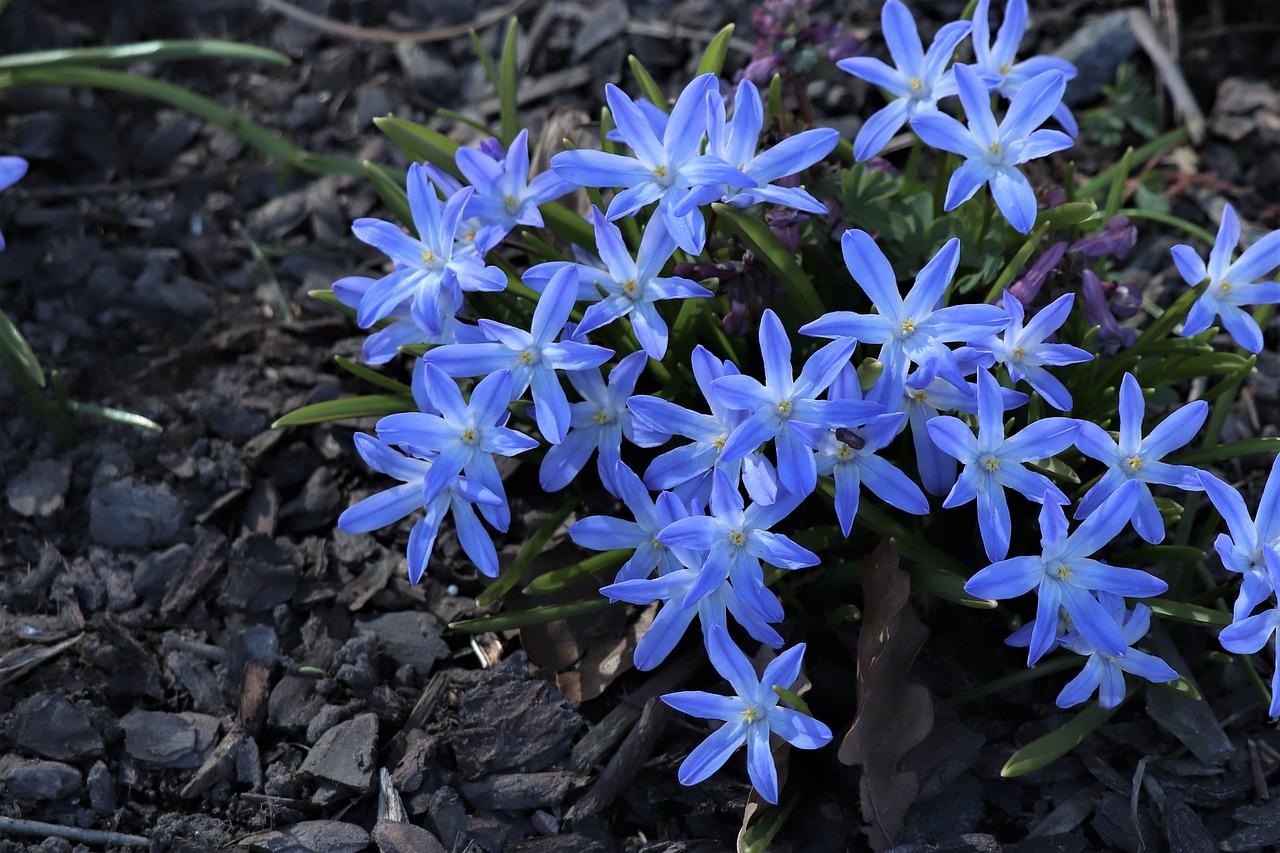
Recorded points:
(193, 658)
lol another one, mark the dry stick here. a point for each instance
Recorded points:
(1170, 74)
(71, 833)
(329, 25)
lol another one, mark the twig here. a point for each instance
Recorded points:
(71, 833)
(1170, 73)
(350, 31)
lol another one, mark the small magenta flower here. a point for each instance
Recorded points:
(998, 61)
(912, 329)
(663, 170)
(1135, 458)
(1065, 576)
(11, 171)
(1231, 285)
(1024, 353)
(993, 152)
(749, 717)
(1104, 673)
(917, 82)
(532, 357)
(430, 273)
(993, 462)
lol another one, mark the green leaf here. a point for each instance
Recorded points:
(1158, 554)
(792, 700)
(1057, 743)
(373, 376)
(1230, 450)
(713, 57)
(559, 579)
(119, 416)
(648, 86)
(1106, 177)
(565, 223)
(1115, 195)
(1065, 215)
(769, 822)
(256, 135)
(328, 297)
(391, 191)
(143, 51)
(17, 353)
(1057, 469)
(765, 245)
(368, 406)
(533, 616)
(421, 144)
(531, 549)
(466, 119)
(1192, 614)
(490, 70)
(507, 102)
(1170, 220)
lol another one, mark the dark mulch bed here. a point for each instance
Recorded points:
(189, 652)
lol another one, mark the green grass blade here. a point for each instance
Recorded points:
(490, 70)
(391, 190)
(17, 353)
(507, 102)
(1230, 450)
(648, 87)
(533, 616)
(119, 416)
(1045, 750)
(256, 135)
(421, 144)
(1105, 178)
(1192, 614)
(559, 579)
(144, 51)
(367, 406)
(713, 57)
(565, 223)
(765, 245)
(531, 549)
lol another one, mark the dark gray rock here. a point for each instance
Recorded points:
(520, 791)
(102, 789)
(129, 514)
(263, 574)
(49, 726)
(169, 740)
(31, 780)
(395, 837)
(344, 754)
(1097, 49)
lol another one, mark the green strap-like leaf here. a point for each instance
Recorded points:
(373, 376)
(1230, 450)
(119, 416)
(565, 223)
(765, 245)
(507, 101)
(531, 549)
(17, 354)
(421, 143)
(533, 616)
(648, 87)
(1045, 750)
(558, 579)
(390, 189)
(144, 51)
(368, 406)
(713, 57)
(1192, 614)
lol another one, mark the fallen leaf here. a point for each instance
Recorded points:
(893, 713)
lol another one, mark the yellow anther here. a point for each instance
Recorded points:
(737, 538)
(1134, 462)
(750, 715)
(468, 435)
(428, 256)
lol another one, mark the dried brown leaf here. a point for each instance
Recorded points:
(893, 713)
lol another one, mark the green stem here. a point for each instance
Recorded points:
(1013, 680)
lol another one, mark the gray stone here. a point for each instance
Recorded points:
(317, 836)
(102, 789)
(39, 491)
(30, 780)
(344, 754)
(1097, 49)
(169, 740)
(395, 837)
(129, 514)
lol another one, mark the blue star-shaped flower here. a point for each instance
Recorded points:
(11, 171)
(1024, 353)
(1103, 672)
(505, 197)
(998, 61)
(1242, 550)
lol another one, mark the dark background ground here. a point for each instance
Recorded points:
(190, 653)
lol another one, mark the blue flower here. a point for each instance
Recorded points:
(993, 463)
(1024, 353)
(598, 423)
(917, 82)
(998, 62)
(663, 170)
(736, 540)
(1242, 550)
(626, 287)
(429, 273)
(1231, 285)
(465, 436)
(735, 142)
(1246, 636)
(1103, 672)
(671, 622)
(398, 328)
(1135, 458)
(605, 533)
(911, 329)
(11, 171)
(784, 409)
(1064, 576)
(687, 469)
(505, 197)
(390, 506)
(993, 152)
(749, 717)
(848, 456)
(532, 357)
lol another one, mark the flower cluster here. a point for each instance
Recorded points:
(917, 397)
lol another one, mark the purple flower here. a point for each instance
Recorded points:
(917, 82)
(993, 152)
(1116, 239)
(1028, 287)
(1098, 312)
(1231, 285)
(749, 717)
